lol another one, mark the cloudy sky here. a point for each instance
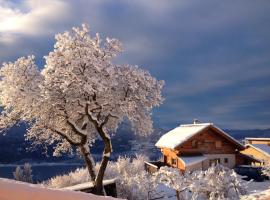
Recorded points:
(213, 55)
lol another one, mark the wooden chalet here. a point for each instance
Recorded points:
(199, 145)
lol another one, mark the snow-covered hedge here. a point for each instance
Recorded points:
(132, 181)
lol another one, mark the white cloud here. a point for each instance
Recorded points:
(31, 17)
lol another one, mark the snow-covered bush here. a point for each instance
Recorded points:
(23, 174)
(174, 179)
(132, 181)
(78, 176)
(266, 169)
(217, 182)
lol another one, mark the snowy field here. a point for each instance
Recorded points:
(25, 191)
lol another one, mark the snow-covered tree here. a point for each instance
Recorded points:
(174, 179)
(217, 182)
(133, 182)
(79, 96)
(23, 174)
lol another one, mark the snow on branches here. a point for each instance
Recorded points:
(78, 91)
(217, 182)
(79, 95)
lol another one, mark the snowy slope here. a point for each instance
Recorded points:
(14, 190)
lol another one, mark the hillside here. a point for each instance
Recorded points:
(14, 148)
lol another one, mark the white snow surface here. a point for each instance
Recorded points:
(257, 190)
(180, 134)
(191, 160)
(87, 185)
(15, 190)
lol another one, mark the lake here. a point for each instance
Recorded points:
(40, 171)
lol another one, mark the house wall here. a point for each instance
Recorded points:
(230, 158)
(256, 154)
(194, 167)
(206, 143)
(168, 155)
(240, 159)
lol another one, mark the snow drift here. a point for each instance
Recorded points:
(15, 190)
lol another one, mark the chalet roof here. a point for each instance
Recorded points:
(257, 139)
(191, 160)
(264, 148)
(184, 132)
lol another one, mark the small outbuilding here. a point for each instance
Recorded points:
(258, 148)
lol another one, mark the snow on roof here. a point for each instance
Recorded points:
(15, 190)
(264, 148)
(86, 185)
(191, 160)
(180, 134)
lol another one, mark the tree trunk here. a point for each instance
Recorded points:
(89, 162)
(105, 158)
(178, 195)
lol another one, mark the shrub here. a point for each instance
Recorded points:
(23, 174)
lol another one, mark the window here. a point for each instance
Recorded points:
(214, 161)
(173, 161)
(218, 144)
(226, 160)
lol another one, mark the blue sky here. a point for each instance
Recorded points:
(213, 55)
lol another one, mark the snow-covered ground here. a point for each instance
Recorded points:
(14, 190)
(256, 191)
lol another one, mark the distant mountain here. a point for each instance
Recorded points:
(242, 134)
(13, 147)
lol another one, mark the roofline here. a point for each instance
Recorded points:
(250, 157)
(258, 149)
(252, 138)
(184, 125)
(242, 147)
(207, 125)
(197, 124)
